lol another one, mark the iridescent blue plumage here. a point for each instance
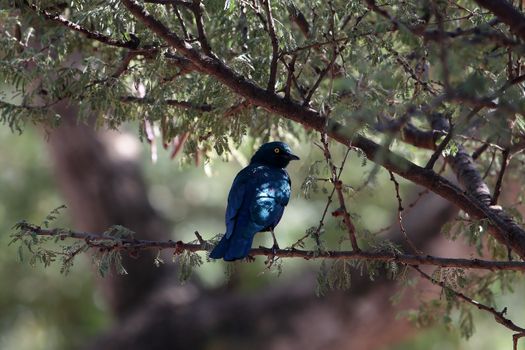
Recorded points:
(256, 201)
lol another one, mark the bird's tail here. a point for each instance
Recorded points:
(232, 248)
(220, 249)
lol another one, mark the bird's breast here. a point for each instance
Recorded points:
(278, 190)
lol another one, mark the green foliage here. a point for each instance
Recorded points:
(106, 260)
(51, 216)
(33, 247)
(333, 277)
(187, 261)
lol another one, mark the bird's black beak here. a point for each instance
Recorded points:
(293, 156)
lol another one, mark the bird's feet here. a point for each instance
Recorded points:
(272, 258)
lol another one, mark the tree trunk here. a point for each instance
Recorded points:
(103, 188)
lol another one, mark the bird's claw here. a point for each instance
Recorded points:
(270, 260)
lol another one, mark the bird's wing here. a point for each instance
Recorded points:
(286, 198)
(236, 198)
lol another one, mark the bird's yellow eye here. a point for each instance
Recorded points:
(276, 150)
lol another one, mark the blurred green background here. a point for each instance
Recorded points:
(40, 309)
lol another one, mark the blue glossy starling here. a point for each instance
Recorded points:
(256, 201)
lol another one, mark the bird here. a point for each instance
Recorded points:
(256, 201)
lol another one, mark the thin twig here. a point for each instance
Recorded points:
(497, 189)
(199, 238)
(499, 316)
(433, 159)
(289, 79)
(203, 40)
(490, 165)
(338, 187)
(443, 53)
(236, 108)
(317, 232)
(124, 64)
(478, 152)
(321, 76)
(275, 45)
(181, 22)
(400, 216)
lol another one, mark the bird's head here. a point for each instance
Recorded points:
(277, 154)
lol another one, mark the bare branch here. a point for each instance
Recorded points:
(478, 152)
(515, 338)
(289, 79)
(504, 162)
(433, 159)
(400, 216)
(338, 187)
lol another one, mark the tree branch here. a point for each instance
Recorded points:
(110, 243)
(338, 187)
(497, 189)
(505, 231)
(400, 216)
(433, 159)
(507, 13)
(437, 35)
(187, 4)
(197, 11)
(275, 45)
(499, 316)
(131, 44)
